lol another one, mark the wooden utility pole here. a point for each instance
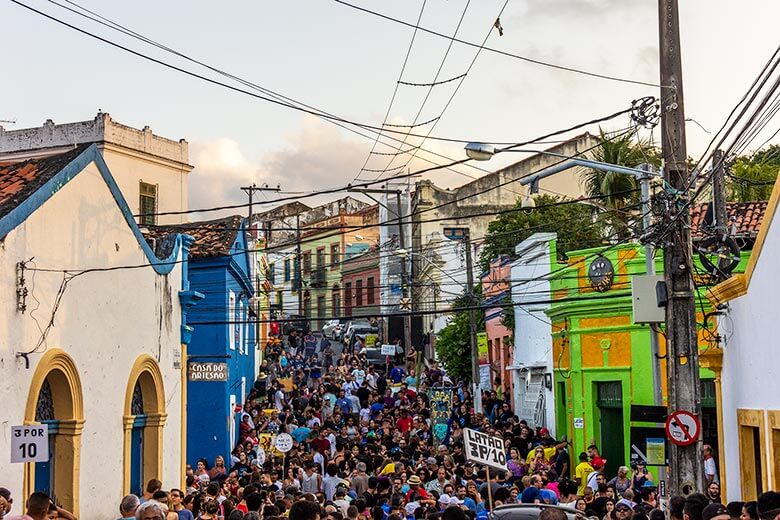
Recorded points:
(686, 463)
(405, 281)
(719, 193)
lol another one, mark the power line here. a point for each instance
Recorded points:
(500, 52)
(234, 88)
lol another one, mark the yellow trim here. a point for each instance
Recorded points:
(713, 359)
(773, 417)
(183, 440)
(737, 286)
(69, 410)
(147, 373)
(746, 421)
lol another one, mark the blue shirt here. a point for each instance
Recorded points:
(469, 502)
(397, 375)
(185, 514)
(301, 433)
(530, 495)
(345, 405)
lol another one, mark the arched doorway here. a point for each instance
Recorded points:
(55, 398)
(144, 418)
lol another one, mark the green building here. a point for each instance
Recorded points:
(602, 361)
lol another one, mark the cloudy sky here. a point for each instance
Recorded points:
(347, 63)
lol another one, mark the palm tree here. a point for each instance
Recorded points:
(616, 190)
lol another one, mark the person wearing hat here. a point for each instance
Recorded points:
(715, 511)
(768, 506)
(415, 489)
(624, 509)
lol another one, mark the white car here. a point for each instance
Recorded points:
(332, 330)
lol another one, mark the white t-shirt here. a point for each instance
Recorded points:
(279, 399)
(359, 375)
(711, 469)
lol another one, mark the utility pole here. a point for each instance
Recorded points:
(472, 324)
(719, 193)
(655, 351)
(464, 235)
(298, 267)
(406, 293)
(253, 276)
(404, 275)
(687, 474)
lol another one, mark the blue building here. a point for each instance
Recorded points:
(221, 353)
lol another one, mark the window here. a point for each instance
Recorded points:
(320, 309)
(359, 293)
(279, 298)
(272, 274)
(370, 290)
(231, 318)
(307, 262)
(307, 304)
(334, 255)
(286, 269)
(147, 203)
(320, 258)
(752, 436)
(348, 299)
(335, 302)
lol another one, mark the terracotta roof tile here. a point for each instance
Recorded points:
(19, 180)
(213, 238)
(746, 217)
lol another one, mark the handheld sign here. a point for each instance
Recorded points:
(484, 449)
(388, 350)
(30, 443)
(283, 442)
(683, 428)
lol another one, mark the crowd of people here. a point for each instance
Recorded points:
(365, 447)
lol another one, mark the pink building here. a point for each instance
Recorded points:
(496, 289)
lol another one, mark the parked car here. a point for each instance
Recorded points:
(295, 322)
(334, 329)
(530, 512)
(360, 328)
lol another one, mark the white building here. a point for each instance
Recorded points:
(151, 171)
(746, 368)
(98, 355)
(532, 362)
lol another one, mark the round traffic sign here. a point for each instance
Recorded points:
(683, 428)
(283, 442)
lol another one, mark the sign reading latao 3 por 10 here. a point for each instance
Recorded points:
(217, 372)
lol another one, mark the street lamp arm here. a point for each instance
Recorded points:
(585, 163)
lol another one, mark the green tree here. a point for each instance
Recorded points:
(573, 223)
(753, 176)
(453, 348)
(614, 189)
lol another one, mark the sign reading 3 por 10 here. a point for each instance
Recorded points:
(208, 371)
(30, 443)
(484, 449)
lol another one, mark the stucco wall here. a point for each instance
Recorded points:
(106, 320)
(750, 372)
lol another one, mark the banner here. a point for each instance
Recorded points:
(441, 410)
(482, 348)
(484, 449)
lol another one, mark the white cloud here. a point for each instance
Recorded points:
(220, 170)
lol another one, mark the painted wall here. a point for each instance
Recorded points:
(748, 380)
(595, 342)
(533, 340)
(105, 321)
(495, 287)
(211, 417)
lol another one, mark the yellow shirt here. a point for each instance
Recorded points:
(581, 473)
(548, 454)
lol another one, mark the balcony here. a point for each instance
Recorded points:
(318, 278)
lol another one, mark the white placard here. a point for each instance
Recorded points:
(579, 423)
(388, 350)
(30, 443)
(283, 442)
(484, 449)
